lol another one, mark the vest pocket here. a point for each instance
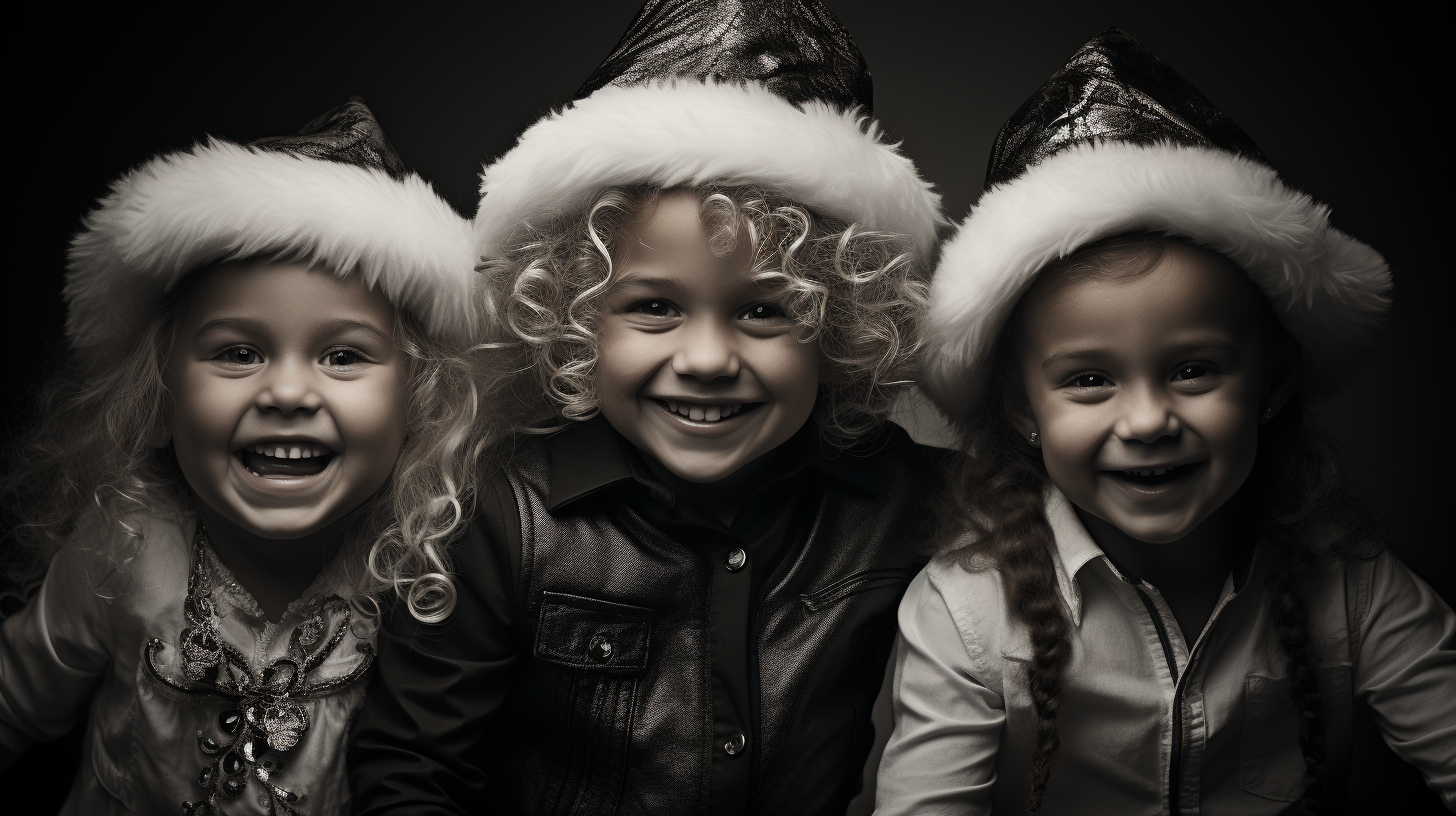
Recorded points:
(600, 650)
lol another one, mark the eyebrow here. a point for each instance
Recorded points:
(1196, 344)
(338, 325)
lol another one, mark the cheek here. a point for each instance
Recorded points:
(625, 361)
(376, 416)
(790, 370)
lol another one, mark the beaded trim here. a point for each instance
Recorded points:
(264, 714)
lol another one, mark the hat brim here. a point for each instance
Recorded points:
(1328, 289)
(220, 201)
(687, 132)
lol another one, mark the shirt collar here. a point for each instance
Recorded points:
(1075, 549)
(588, 457)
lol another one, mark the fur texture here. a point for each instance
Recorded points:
(220, 201)
(686, 132)
(1329, 290)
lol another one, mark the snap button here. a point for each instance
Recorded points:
(734, 745)
(736, 560)
(600, 649)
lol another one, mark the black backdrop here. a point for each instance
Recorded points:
(1347, 107)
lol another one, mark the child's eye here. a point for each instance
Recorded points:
(654, 308)
(1191, 372)
(1089, 381)
(343, 358)
(240, 356)
(762, 311)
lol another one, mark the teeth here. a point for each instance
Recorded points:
(291, 452)
(1150, 471)
(704, 413)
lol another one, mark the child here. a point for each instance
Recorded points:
(1163, 601)
(268, 371)
(682, 602)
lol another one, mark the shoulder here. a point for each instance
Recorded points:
(972, 602)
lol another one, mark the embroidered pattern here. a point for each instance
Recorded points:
(264, 714)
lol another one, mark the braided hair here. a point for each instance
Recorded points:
(1298, 497)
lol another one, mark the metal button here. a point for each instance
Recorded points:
(734, 745)
(600, 649)
(737, 559)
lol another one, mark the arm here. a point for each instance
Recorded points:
(1406, 668)
(52, 653)
(941, 758)
(431, 714)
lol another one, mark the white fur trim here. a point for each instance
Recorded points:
(1329, 290)
(686, 132)
(221, 201)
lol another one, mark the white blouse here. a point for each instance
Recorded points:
(1148, 719)
(258, 726)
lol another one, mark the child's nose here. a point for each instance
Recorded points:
(1147, 415)
(706, 351)
(288, 386)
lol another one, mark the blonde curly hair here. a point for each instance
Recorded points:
(859, 293)
(89, 458)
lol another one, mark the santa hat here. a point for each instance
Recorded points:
(762, 92)
(335, 194)
(1117, 142)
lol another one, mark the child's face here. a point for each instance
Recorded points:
(1126, 378)
(697, 365)
(288, 395)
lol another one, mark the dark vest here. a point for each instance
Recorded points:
(631, 731)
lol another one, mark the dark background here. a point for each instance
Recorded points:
(1349, 108)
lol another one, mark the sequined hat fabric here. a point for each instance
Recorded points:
(1118, 142)
(758, 92)
(798, 50)
(348, 134)
(335, 194)
(1112, 89)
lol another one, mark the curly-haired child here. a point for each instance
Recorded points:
(1161, 597)
(269, 370)
(683, 600)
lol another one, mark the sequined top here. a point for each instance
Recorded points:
(260, 731)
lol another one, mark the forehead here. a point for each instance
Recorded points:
(1187, 290)
(668, 244)
(285, 291)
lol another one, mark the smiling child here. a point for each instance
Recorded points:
(682, 601)
(264, 340)
(1158, 593)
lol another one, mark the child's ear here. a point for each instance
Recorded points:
(1018, 411)
(1281, 375)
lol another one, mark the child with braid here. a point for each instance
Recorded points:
(1160, 596)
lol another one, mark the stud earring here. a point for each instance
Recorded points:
(1268, 414)
(1034, 439)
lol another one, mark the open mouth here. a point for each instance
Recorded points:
(283, 460)
(698, 412)
(1156, 475)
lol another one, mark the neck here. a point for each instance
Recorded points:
(1189, 573)
(275, 571)
(724, 498)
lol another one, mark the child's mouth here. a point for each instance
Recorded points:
(1157, 475)
(707, 413)
(277, 460)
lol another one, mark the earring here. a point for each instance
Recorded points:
(1034, 439)
(1268, 414)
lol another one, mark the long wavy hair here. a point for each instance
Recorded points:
(1298, 500)
(860, 293)
(88, 456)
